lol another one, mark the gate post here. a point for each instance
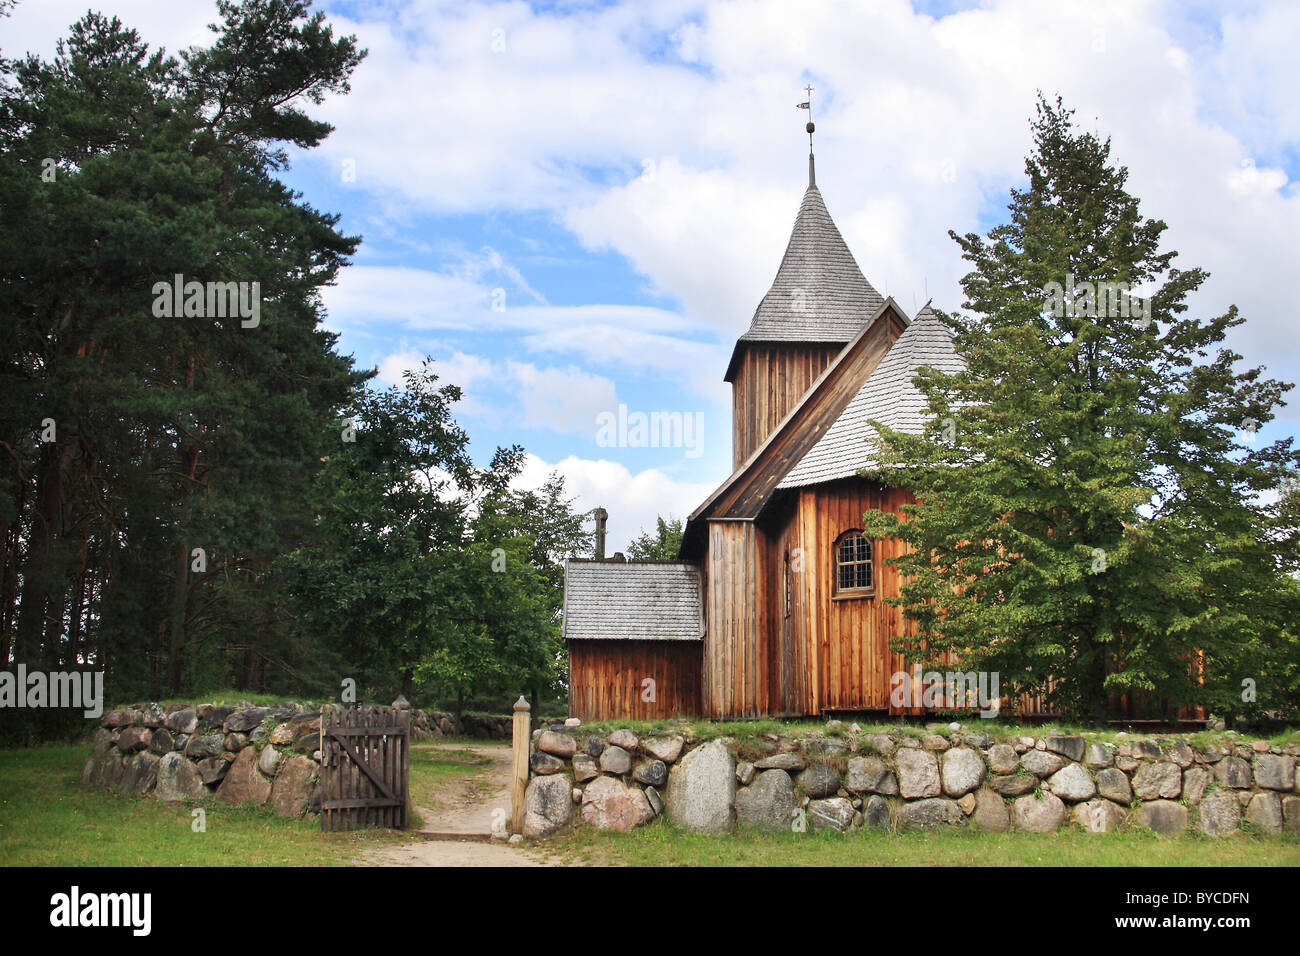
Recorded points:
(522, 728)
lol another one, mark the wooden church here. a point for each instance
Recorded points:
(776, 604)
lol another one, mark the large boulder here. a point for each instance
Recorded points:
(702, 788)
(182, 722)
(1100, 816)
(213, 717)
(652, 773)
(615, 760)
(243, 783)
(1098, 756)
(1195, 780)
(178, 779)
(918, 774)
(1038, 814)
(140, 774)
(548, 806)
(790, 762)
(990, 811)
(963, 771)
(667, 749)
(625, 739)
(1272, 771)
(609, 804)
(768, 803)
(208, 745)
(1112, 783)
(134, 739)
(557, 743)
(1264, 813)
(269, 761)
(819, 780)
(1040, 763)
(1072, 748)
(1163, 816)
(543, 764)
(212, 769)
(1220, 813)
(291, 792)
(1003, 759)
(929, 814)
(866, 774)
(1159, 780)
(162, 742)
(1073, 783)
(584, 768)
(835, 813)
(245, 721)
(1233, 772)
(875, 813)
(1013, 785)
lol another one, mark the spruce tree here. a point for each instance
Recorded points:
(1095, 516)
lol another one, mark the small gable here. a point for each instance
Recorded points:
(888, 396)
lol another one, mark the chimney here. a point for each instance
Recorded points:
(601, 516)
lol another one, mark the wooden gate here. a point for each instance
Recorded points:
(365, 768)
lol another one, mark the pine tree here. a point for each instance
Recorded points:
(1093, 508)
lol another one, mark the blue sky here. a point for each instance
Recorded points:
(620, 180)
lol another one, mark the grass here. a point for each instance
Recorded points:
(434, 770)
(48, 817)
(664, 845)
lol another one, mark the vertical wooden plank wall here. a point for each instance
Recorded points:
(735, 647)
(770, 379)
(605, 679)
(845, 643)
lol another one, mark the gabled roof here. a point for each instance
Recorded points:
(888, 397)
(819, 293)
(632, 600)
(744, 495)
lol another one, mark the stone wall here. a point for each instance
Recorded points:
(257, 755)
(950, 777)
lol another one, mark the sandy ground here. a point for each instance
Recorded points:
(458, 831)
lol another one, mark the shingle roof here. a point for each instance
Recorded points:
(819, 293)
(614, 600)
(888, 396)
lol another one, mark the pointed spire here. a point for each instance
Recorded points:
(811, 128)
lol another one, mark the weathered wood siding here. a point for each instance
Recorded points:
(606, 679)
(847, 640)
(735, 645)
(770, 379)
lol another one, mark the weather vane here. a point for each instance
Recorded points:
(807, 105)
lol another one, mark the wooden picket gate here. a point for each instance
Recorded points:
(365, 768)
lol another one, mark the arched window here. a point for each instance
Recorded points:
(855, 566)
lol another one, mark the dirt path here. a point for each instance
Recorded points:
(458, 830)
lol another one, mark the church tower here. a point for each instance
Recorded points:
(818, 302)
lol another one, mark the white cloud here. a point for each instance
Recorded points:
(633, 500)
(561, 399)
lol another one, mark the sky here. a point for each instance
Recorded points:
(573, 207)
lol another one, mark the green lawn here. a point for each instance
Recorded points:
(49, 818)
(662, 845)
(434, 769)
